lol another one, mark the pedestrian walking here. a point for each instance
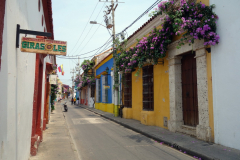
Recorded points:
(74, 100)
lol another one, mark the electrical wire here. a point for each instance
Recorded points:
(89, 31)
(150, 8)
(82, 57)
(84, 53)
(90, 39)
(104, 49)
(84, 28)
(88, 56)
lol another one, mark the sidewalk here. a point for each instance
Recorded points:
(57, 143)
(185, 143)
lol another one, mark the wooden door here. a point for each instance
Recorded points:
(189, 90)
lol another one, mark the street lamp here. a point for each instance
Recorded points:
(109, 25)
(93, 22)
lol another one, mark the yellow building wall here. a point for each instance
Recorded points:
(206, 2)
(106, 107)
(210, 95)
(161, 97)
(137, 95)
(161, 94)
(209, 76)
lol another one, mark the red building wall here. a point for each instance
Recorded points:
(2, 12)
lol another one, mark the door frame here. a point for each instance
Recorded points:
(175, 124)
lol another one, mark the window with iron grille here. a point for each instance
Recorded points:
(128, 90)
(104, 90)
(92, 90)
(148, 88)
(98, 90)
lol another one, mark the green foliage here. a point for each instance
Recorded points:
(85, 79)
(194, 21)
(87, 65)
(53, 95)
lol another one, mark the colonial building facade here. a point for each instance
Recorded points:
(24, 87)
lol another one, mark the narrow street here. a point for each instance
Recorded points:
(97, 138)
(150, 80)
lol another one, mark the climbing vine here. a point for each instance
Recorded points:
(85, 79)
(87, 65)
(191, 20)
(54, 91)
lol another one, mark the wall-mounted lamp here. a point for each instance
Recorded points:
(208, 49)
(107, 70)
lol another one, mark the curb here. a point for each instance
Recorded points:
(174, 145)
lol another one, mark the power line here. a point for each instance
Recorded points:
(84, 53)
(104, 48)
(89, 39)
(84, 28)
(150, 8)
(85, 57)
(90, 30)
(88, 56)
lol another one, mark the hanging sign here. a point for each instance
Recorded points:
(106, 87)
(44, 46)
(53, 79)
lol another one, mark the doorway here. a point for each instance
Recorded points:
(189, 90)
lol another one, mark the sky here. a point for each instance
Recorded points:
(71, 23)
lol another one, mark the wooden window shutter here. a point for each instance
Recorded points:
(103, 89)
(97, 83)
(106, 90)
(128, 90)
(92, 90)
(148, 101)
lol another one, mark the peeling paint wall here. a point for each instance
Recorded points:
(17, 80)
(226, 74)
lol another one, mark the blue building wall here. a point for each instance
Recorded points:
(75, 88)
(77, 94)
(101, 69)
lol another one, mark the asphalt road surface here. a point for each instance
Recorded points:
(97, 138)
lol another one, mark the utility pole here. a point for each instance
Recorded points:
(73, 71)
(116, 79)
(78, 71)
(114, 61)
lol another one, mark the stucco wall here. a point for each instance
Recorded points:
(226, 74)
(161, 97)
(17, 80)
(108, 62)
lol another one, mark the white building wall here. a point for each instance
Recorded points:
(226, 74)
(90, 99)
(46, 60)
(17, 78)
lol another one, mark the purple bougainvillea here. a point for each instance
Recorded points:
(193, 21)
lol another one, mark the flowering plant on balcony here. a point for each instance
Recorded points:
(193, 21)
(54, 67)
(85, 81)
(87, 65)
